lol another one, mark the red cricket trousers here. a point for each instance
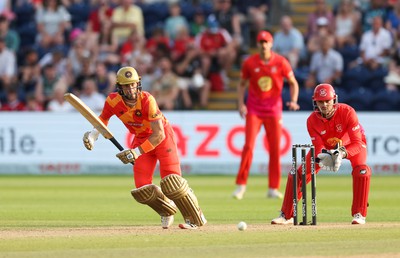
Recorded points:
(273, 129)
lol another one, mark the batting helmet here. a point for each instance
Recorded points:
(127, 75)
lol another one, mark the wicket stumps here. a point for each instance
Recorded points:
(303, 148)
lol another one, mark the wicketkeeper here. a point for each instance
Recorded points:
(336, 134)
(154, 141)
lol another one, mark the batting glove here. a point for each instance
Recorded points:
(127, 156)
(89, 138)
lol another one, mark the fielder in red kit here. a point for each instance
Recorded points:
(263, 74)
(336, 134)
(154, 141)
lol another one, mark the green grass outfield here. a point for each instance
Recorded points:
(95, 216)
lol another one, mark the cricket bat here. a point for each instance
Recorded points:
(85, 111)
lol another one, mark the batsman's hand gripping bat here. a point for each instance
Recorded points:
(92, 118)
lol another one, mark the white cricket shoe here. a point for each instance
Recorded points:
(166, 221)
(188, 226)
(274, 194)
(239, 192)
(358, 219)
(281, 220)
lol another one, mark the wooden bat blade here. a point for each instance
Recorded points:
(85, 111)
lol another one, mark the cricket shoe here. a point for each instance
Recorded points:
(166, 221)
(239, 192)
(274, 194)
(358, 219)
(188, 226)
(281, 220)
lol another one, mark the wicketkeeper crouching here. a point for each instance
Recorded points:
(154, 141)
(337, 134)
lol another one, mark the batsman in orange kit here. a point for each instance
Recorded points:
(336, 133)
(263, 73)
(154, 141)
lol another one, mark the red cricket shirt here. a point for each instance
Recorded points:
(343, 127)
(265, 84)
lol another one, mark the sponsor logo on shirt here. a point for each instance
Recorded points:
(135, 124)
(355, 128)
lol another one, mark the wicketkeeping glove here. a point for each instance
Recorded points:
(332, 159)
(326, 161)
(89, 138)
(127, 156)
(338, 154)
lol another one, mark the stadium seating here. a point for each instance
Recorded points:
(305, 99)
(386, 101)
(360, 99)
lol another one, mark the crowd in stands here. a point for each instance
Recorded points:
(185, 49)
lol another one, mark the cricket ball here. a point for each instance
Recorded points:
(242, 226)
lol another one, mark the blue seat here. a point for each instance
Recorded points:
(285, 97)
(341, 94)
(376, 84)
(386, 101)
(355, 78)
(360, 99)
(349, 54)
(79, 14)
(305, 99)
(154, 15)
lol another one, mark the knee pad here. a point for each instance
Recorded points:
(177, 189)
(361, 181)
(154, 197)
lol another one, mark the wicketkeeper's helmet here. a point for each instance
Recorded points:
(127, 75)
(323, 92)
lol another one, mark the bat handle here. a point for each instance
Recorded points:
(116, 143)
